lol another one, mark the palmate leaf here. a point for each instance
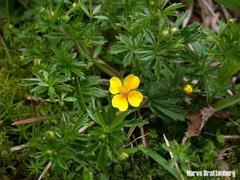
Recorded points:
(90, 87)
(166, 109)
(165, 98)
(127, 45)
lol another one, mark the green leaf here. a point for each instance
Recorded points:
(231, 4)
(97, 9)
(95, 118)
(229, 69)
(227, 102)
(220, 138)
(128, 58)
(161, 161)
(104, 177)
(84, 8)
(135, 122)
(118, 122)
(102, 157)
(87, 175)
(91, 148)
(166, 109)
(106, 68)
(70, 99)
(131, 150)
(101, 17)
(97, 51)
(171, 10)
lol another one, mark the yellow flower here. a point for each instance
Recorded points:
(125, 92)
(188, 89)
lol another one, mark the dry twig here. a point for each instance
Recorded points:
(189, 14)
(140, 137)
(18, 148)
(82, 129)
(45, 170)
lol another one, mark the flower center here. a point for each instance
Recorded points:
(124, 90)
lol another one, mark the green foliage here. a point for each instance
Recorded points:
(232, 4)
(5, 155)
(56, 58)
(160, 160)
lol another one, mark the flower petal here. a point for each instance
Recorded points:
(115, 85)
(120, 102)
(131, 81)
(135, 98)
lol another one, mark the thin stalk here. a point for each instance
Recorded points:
(5, 48)
(45, 170)
(106, 68)
(90, 10)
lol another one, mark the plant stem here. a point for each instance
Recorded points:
(5, 48)
(171, 155)
(90, 10)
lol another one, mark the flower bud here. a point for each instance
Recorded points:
(188, 89)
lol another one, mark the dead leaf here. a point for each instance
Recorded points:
(18, 147)
(197, 121)
(221, 161)
(225, 152)
(222, 114)
(28, 120)
(37, 100)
